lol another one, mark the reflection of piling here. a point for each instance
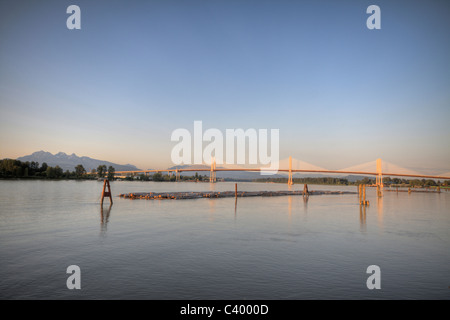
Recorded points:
(104, 218)
(362, 217)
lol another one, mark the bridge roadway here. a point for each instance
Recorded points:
(385, 174)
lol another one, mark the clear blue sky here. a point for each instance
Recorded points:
(340, 94)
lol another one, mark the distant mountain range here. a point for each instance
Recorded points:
(69, 162)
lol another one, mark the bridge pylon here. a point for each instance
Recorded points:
(290, 182)
(379, 179)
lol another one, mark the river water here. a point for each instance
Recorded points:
(253, 248)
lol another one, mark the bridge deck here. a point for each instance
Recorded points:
(385, 174)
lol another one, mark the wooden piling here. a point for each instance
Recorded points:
(305, 190)
(106, 193)
(364, 194)
(360, 194)
(235, 190)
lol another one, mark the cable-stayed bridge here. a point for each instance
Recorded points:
(377, 168)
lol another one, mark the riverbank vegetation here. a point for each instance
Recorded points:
(15, 169)
(388, 181)
(158, 176)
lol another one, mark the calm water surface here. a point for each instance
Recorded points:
(255, 248)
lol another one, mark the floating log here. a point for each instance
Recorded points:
(223, 194)
(409, 190)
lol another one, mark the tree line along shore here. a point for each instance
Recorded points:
(16, 169)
